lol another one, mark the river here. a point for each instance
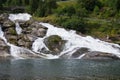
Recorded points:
(59, 69)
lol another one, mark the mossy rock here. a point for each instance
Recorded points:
(54, 43)
(12, 31)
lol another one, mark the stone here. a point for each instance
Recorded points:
(8, 23)
(54, 43)
(99, 55)
(3, 17)
(80, 52)
(4, 49)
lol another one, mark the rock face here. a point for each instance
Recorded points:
(54, 43)
(99, 55)
(4, 49)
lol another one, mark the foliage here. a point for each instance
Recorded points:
(71, 14)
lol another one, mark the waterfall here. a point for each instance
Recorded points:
(2, 35)
(18, 28)
(75, 41)
(20, 16)
(16, 51)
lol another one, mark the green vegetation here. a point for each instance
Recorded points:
(98, 18)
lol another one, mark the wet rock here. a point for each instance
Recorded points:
(3, 17)
(80, 52)
(8, 23)
(99, 55)
(12, 39)
(54, 43)
(25, 24)
(4, 49)
(35, 30)
(23, 41)
(10, 31)
(11, 35)
(38, 30)
(115, 39)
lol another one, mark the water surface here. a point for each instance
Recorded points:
(58, 69)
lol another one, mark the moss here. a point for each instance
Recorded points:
(13, 41)
(12, 31)
(54, 43)
(55, 39)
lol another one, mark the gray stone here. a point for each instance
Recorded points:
(8, 23)
(80, 52)
(3, 17)
(4, 49)
(99, 55)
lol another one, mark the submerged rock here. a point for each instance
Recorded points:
(54, 43)
(99, 55)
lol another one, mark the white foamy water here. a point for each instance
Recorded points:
(75, 41)
(18, 28)
(2, 35)
(20, 16)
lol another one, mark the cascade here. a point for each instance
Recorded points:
(18, 28)
(15, 51)
(75, 42)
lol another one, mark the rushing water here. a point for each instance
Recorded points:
(74, 41)
(41, 69)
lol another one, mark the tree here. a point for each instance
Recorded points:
(33, 5)
(89, 4)
(50, 5)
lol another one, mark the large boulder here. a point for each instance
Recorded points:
(4, 49)
(99, 55)
(54, 43)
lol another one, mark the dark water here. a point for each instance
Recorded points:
(39, 69)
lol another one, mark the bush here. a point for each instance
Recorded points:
(75, 24)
